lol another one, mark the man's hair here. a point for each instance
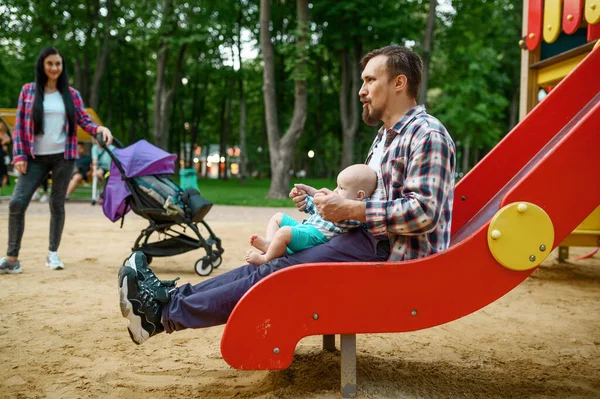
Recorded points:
(400, 61)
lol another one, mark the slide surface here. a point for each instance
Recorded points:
(548, 160)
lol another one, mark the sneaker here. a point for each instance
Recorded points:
(44, 198)
(36, 196)
(53, 261)
(142, 298)
(7, 267)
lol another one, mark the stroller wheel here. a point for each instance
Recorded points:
(217, 262)
(203, 266)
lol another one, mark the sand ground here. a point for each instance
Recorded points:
(62, 335)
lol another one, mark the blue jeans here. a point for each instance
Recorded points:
(37, 170)
(210, 302)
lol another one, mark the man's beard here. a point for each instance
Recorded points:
(372, 118)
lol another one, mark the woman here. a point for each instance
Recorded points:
(45, 139)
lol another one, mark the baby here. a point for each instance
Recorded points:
(284, 233)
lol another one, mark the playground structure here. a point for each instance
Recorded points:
(508, 217)
(548, 61)
(9, 117)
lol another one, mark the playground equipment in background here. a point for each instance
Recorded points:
(510, 211)
(548, 61)
(9, 117)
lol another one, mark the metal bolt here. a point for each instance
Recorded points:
(414, 312)
(276, 351)
(463, 198)
(532, 258)
(542, 247)
(315, 316)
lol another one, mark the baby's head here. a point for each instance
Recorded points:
(356, 182)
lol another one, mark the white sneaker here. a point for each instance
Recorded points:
(54, 262)
(44, 198)
(36, 196)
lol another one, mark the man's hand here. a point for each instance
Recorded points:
(299, 193)
(331, 206)
(21, 167)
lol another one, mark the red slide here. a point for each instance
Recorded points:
(548, 160)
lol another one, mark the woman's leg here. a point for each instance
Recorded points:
(24, 189)
(61, 175)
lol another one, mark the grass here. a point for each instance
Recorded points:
(252, 193)
(222, 192)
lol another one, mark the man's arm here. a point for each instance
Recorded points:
(428, 183)
(334, 208)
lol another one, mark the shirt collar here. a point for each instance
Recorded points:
(405, 120)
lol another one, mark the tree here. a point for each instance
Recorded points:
(282, 148)
(427, 49)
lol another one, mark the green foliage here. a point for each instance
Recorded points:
(474, 71)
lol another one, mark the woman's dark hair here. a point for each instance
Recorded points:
(62, 85)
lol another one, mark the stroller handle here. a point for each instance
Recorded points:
(102, 144)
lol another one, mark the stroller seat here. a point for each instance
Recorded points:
(169, 210)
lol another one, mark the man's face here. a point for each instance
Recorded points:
(80, 150)
(375, 90)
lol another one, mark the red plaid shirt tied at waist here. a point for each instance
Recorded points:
(23, 134)
(413, 200)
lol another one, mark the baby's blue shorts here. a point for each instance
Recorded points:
(303, 235)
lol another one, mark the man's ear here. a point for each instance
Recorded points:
(360, 195)
(401, 82)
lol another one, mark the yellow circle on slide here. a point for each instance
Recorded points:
(520, 236)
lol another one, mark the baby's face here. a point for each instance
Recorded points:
(345, 187)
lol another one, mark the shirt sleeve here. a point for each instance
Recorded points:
(428, 183)
(310, 206)
(94, 152)
(81, 116)
(19, 153)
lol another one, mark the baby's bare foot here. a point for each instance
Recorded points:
(255, 258)
(259, 243)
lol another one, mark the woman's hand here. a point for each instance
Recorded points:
(21, 167)
(107, 136)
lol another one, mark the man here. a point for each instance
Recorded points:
(82, 170)
(407, 217)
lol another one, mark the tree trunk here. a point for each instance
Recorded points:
(101, 59)
(466, 153)
(349, 109)
(243, 172)
(427, 49)
(281, 148)
(163, 97)
(514, 109)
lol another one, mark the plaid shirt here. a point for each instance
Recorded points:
(24, 137)
(329, 229)
(413, 200)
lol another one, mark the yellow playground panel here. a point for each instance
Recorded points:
(557, 35)
(9, 116)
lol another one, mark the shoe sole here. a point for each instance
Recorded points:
(59, 267)
(12, 271)
(137, 334)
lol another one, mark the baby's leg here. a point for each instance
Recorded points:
(277, 248)
(274, 224)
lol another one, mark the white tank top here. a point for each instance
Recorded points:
(54, 137)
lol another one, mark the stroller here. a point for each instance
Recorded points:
(137, 181)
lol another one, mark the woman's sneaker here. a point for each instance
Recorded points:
(7, 267)
(53, 261)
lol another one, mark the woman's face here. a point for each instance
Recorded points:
(53, 66)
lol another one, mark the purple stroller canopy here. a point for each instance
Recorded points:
(139, 159)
